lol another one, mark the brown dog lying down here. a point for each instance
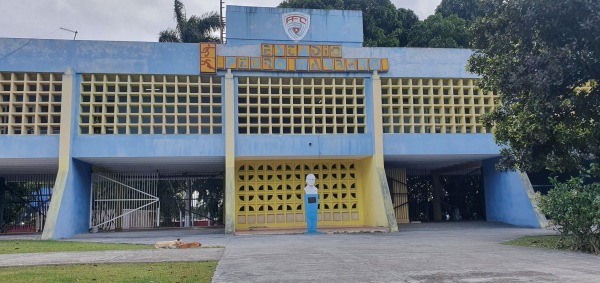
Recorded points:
(189, 245)
(168, 244)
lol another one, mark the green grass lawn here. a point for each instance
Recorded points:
(545, 242)
(134, 272)
(38, 246)
(139, 272)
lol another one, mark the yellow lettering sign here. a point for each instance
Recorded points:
(326, 51)
(351, 64)
(242, 62)
(255, 63)
(267, 63)
(291, 64)
(314, 64)
(362, 65)
(220, 62)
(290, 57)
(303, 51)
(302, 64)
(267, 50)
(328, 64)
(374, 64)
(316, 51)
(280, 64)
(291, 50)
(335, 51)
(339, 64)
(279, 50)
(384, 65)
(208, 58)
(230, 63)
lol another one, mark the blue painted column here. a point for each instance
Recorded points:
(506, 198)
(69, 211)
(311, 207)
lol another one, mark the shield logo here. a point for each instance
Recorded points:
(296, 25)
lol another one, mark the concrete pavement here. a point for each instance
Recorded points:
(428, 252)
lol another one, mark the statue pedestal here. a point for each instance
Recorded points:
(311, 207)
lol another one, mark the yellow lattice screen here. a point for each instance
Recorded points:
(301, 105)
(434, 106)
(150, 104)
(30, 103)
(270, 194)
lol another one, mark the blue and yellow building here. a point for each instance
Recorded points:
(292, 92)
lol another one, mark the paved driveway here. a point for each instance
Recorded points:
(429, 252)
(436, 252)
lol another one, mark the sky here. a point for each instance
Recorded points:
(122, 20)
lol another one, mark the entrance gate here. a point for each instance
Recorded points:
(191, 199)
(462, 195)
(150, 200)
(124, 201)
(24, 202)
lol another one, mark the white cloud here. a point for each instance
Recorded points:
(423, 8)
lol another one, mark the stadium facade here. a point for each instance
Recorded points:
(292, 92)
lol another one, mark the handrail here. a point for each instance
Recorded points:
(402, 204)
(394, 179)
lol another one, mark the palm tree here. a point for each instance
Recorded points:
(192, 30)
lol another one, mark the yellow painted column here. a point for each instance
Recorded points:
(377, 164)
(64, 153)
(229, 153)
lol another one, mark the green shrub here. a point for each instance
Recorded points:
(574, 206)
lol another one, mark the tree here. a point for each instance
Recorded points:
(408, 19)
(383, 24)
(467, 10)
(574, 206)
(439, 31)
(192, 30)
(543, 57)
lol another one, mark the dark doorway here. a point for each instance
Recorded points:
(461, 196)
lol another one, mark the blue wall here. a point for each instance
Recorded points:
(148, 145)
(304, 145)
(45, 55)
(427, 144)
(74, 213)
(29, 146)
(418, 62)
(247, 25)
(505, 197)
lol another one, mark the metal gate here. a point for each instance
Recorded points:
(463, 195)
(124, 201)
(191, 199)
(24, 202)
